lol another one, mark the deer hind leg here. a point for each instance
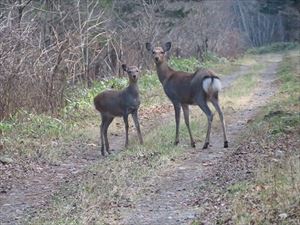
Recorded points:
(102, 139)
(177, 120)
(106, 125)
(137, 125)
(103, 120)
(202, 103)
(125, 118)
(185, 109)
(216, 104)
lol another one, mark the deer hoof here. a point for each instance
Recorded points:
(176, 142)
(108, 151)
(102, 151)
(205, 145)
(225, 144)
(193, 145)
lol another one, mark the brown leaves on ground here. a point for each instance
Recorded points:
(147, 113)
(240, 167)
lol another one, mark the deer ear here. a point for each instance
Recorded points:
(124, 67)
(167, 46)
(148, 46)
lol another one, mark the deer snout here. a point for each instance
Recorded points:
(134, 76)
(156, 58)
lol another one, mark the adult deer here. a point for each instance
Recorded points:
(114, 103)
(184, 89)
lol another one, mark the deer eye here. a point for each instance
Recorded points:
(162, 52)
(153, 52)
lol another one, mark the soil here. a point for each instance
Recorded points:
(170, 198)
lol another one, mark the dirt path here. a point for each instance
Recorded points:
(170, 197)
(28, 188)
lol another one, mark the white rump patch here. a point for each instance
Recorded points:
(210, 86)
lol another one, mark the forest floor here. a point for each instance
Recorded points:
(188, 189)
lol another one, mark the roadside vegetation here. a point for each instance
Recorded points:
(274, 195)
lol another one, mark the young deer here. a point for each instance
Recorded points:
(113, 103)
(184, 89)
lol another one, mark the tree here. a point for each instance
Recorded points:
(288, 11)
(276, 6)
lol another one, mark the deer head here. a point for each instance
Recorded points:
(132, 71)
(159, 53)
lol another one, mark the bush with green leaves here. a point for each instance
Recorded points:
(187, 65)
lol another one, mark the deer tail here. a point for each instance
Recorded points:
(211, 84)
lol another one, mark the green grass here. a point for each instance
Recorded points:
(211, 61)
(28, 135)
(246, 84)
(237, 188)
(236, 98)
(39, 126)
(187, 65)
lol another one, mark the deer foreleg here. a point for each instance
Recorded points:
(105, 128)
(177, 120)
(137, 125)
(101, 137)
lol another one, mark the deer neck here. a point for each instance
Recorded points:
(163, 71)
(133, 87)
